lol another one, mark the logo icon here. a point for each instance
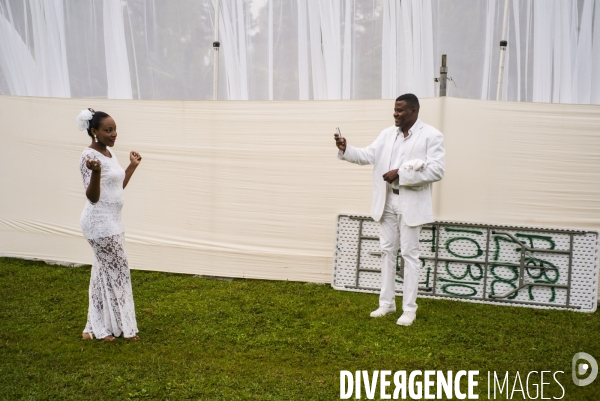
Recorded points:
(582, 368)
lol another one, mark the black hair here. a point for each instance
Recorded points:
(410, 99)
(97, 117)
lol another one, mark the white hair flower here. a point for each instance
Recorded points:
(83, 119)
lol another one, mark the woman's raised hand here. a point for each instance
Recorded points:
(93, 165)
(135, 158)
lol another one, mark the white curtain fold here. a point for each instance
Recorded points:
(270, 60)
(517, 40)
(303, 89)
(50, 53)
(489, 43)
(325, 49)
(115, 48)
(16, 61)
(317, 61)
(331, 44)
(232, 35)
(584, 53)
(421, 37)
(389, 65)
(595, 58)
(542, 52)
(561, 51)
(528, 25)
(36, 65)
(347, 51)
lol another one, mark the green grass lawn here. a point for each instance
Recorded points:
(262, 340)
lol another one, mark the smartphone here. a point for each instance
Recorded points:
(338, 131)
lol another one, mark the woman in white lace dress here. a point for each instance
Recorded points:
(111, 310)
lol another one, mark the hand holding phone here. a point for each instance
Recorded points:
(340, 141)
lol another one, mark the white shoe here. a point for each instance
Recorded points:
(407, 318)
(382, 311)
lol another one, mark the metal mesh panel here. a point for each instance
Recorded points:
(495, 264)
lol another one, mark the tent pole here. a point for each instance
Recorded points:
(216, 46)
(443, 76)
(503, 44)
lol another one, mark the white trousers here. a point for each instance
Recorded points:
(394, 234)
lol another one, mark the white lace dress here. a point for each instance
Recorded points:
(111, 310)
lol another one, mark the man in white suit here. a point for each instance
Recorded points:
(407, 157)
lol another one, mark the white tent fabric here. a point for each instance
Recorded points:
(253, 189)
(299, 49)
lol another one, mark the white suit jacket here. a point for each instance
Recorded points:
(425, 143)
